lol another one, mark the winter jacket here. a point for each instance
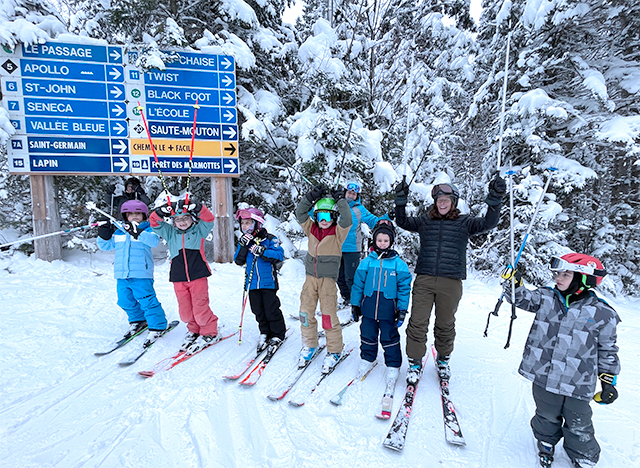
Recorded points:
(264, 274)
(568, 347)
(387, 278)
(359, 215)
(443, 242)
(186, 248)
(133, 256)
(324, 250)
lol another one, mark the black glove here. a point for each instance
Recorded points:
(257, 250)
(316, 193)
(105, 231)
(245, 240)
(133, 229)
(338, 193)
(191, 207)
(609, 393)
(517, 276)
(497, 189)
(111, 189)
(402, 192)
(139, 190)
(400, 316)
(356, 313)
(166, 210)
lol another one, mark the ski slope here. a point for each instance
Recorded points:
(60, 406)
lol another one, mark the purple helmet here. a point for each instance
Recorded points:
(134, 206)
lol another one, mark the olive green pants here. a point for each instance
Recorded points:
(445, 293)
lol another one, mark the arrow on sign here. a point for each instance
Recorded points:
(226, 63)
(116, 91)
(229, 115)
(115, 55)
(231, 149)
(122, 146)
(122, 164)
(227, 81)
(115, 73)
(231, 165)
(117, 110)
(227, 98)
(119, 127)
(230, 133)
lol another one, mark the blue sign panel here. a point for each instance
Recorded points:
(76, 52)
(71, 89)
(183, 113)
(59, 145)
(57, 126)
(194, 61)
(204, 131)
(181, 165)
(196, 79)
(57, 163)
(171, 95)
(62, 70)
(67, 108)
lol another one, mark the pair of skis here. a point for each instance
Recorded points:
(262, 358)
(396, 437)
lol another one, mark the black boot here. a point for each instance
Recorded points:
(545, 453)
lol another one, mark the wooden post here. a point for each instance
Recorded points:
(46, 217)
(221, 207)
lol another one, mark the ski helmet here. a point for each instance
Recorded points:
(354, 186)
(384, 226)
(251, 213)
(447, 189)
(325, 205)
(590, 268)
(134, 206)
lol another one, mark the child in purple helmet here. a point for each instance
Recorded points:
(133, 269)
(260, 252)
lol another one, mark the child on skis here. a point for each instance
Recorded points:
(133, 269)
(260, 252)
(380, 295)
(326, 232)
(571, 345)
(185, 234)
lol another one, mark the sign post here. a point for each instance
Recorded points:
(75, 111)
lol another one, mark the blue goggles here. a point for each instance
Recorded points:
(323, 216)
(354, 187)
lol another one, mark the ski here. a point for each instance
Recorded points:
(119, 344)
(452, 431)
(134, 358)
(293, 377)
(386, 404)
(246, 363)
(301, 399)
(253, 376)
(396, 437)
(337, 399)
(181, 356)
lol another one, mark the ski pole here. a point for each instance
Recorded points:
(117, 223)
(155, 156)
(344, 150)
(512, 237)
(282, 159)
(524, 241)
(504, 96)
(57, 233)
(245, 296)
(193, 138)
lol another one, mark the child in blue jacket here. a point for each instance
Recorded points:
(380, 295)
(260, 251)
(133, 269)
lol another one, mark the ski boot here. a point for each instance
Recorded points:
(134, 328)
(262, 344)
(444, 371)
(414, 371)
(189, 338)
(545, 453)
(365, 366)
(152, 337)
(330, 361)
(306, 354)
(200, 343)
(392, 376)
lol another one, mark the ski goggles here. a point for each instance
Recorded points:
(323, 216)
(558, 264)
(354, 187)
(441, 189)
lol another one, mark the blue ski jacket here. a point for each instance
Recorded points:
(133, 256)
(359, 215)
(264, 274)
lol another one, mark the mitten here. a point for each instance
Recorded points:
(338, 193)
(609, 393)
(497, 189)
(356, 313)
(316, 193)
(245, 240)
(400, 316)
(517, 276)
(165, 210)
(402, 192)
(257, 250)
(105, 231)
(133, 229)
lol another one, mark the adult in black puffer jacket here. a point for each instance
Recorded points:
(441, 267)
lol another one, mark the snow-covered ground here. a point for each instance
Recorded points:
(60, 406)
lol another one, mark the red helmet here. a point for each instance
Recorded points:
(591, 268)
(251, 213)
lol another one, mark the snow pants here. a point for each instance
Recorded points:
(348, 266)
(137, 298)
(325, 291)
(193, 306)
(389, 339)
(559, 416)
(265, 305)
(445, 293)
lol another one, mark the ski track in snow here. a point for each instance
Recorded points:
(60, 406)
